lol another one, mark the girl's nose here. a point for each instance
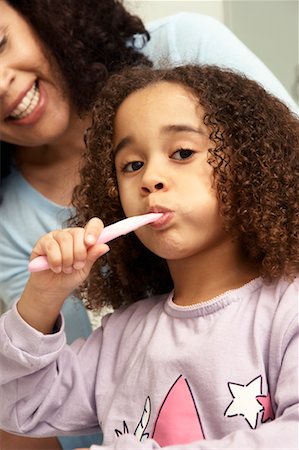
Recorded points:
(152, 184)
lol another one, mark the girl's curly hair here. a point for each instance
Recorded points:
(87, 41)
(255, 158)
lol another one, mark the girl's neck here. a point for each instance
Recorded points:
(53, 169)
(203, 277)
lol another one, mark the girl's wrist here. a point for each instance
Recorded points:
(39, 309)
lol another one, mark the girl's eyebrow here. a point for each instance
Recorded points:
(123, 143)
(178, 128)
(167, 129)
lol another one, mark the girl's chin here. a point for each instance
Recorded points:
(169, 252)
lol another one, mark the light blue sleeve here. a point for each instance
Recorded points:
(198, 39)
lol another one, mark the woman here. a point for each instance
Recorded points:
(54, 58)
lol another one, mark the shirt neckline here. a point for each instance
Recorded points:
(213, 305)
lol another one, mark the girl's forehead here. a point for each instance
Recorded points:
(161, 86)
(159, 96)
(158, 107)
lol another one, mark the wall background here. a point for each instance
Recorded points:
(270, 28)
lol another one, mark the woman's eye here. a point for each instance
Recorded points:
(3, 42)
(132, 166)
(182, 153)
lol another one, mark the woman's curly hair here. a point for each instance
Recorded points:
(87, 41)
(255, 158)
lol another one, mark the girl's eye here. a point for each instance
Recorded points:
(132, 166)
(182, 153)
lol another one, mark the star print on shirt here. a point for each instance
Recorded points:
(248, 402)
(268, 413)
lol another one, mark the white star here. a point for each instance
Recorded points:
(245, 402)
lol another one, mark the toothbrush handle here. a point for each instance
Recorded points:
(110, 232)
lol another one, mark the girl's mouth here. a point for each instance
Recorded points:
(27, 104)
(164, 220)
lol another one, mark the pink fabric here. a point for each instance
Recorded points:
(178, 421)
(268, 413)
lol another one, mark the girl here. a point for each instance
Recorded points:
(201, 350)
(54, 56)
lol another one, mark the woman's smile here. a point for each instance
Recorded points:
(27, 104)
(30, 108)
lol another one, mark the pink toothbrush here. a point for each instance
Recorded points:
(110, 232)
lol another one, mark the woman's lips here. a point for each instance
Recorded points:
(34, 112)
(27, 103)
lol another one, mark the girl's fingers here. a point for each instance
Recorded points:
(49, 246)
(70, 249)
(79, 248)
(93, 253)
(93, 229)
(96, 251)
(66, 242)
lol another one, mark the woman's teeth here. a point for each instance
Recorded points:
(27, 104)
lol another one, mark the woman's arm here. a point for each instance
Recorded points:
(200, 39)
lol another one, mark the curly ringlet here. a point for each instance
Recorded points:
(255, 158)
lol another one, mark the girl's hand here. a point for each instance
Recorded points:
(71, 254)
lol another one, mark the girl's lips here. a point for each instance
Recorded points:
(36, 113)
(163, 221)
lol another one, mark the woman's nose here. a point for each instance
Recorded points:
(7, 77)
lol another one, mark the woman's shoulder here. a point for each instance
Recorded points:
(178, 39)
(191, 38)
(172, 35)
(183, 20)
